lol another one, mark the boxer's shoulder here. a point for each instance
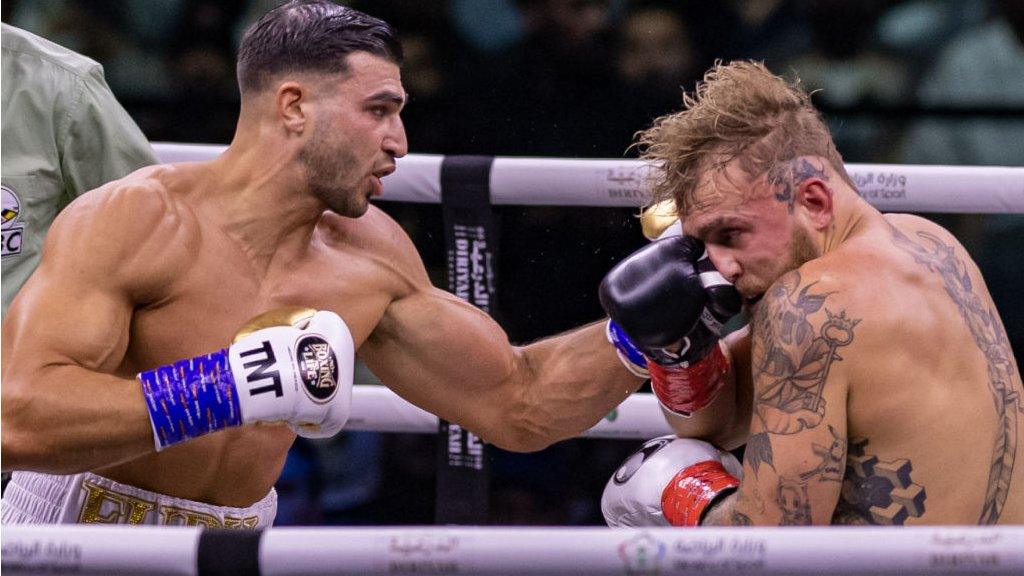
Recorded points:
(128, 226)
(148, 197)
(374, 234)
(907, 229)
(820, 302)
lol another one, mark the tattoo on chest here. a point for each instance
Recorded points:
(990, 337)
(876, 492)
(794, 358)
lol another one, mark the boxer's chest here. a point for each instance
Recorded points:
(214, 298)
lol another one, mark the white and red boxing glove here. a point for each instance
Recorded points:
(669, 481)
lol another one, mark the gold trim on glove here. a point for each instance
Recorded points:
(656, 218)
(286, 316)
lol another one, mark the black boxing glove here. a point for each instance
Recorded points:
(667, 304)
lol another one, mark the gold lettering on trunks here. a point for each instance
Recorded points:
(175, 516)
(120, 508)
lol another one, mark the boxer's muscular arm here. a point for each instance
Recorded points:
(804, 340)
(68, 329)
(726, 421)
(453, 360)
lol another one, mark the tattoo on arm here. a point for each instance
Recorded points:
(833, 459)
(740, 519)
(758, 451)
(796, 343)
(990, 337)
(791, 497)
(795, 361)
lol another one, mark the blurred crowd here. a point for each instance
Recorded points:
(900, 81)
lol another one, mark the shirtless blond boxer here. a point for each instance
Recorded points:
(168, 263)
(875, 383)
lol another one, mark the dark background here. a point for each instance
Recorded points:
(912, 82)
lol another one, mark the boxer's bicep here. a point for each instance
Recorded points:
(795, 478)
(67, 331)
(97, 264)
(446, 356)
(796, 453)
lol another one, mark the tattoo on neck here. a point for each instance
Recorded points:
(990, 337)
(787, 177)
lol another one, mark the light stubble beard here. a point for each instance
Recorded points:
(800, 250)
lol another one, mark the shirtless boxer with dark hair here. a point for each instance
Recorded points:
(121, 402)
(875, 383)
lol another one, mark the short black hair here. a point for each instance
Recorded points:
(310, 36)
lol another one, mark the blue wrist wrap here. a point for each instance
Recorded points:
(190, 398)
(627, 351)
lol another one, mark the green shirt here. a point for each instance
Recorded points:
(63, 134)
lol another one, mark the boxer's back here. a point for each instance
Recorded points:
(933, 408)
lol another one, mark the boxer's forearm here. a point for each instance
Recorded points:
(572, 381)
(726, 421)
(718, 423)
(449, 358)
(66, 419)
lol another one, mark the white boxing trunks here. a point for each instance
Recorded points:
(35, 498)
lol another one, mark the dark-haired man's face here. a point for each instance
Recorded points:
(357, 134)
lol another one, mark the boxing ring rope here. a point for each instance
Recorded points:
(620, 183)
(378, 409)
(493, 550)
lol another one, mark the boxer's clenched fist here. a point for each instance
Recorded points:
(669, 481)
(292, 366)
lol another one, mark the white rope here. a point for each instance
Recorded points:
(564, 182)
(93, 549)
(378, 409)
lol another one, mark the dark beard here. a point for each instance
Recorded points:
(322, 168)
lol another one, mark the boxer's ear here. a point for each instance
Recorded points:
(815, 198)
(289, 99)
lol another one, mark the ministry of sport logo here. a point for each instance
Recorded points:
(318, 367)
(12, 229)
(642, 555)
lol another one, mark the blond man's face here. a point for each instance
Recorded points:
(750, 234)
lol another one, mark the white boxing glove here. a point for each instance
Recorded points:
(314, 358)
(292, 366)
(669, 481)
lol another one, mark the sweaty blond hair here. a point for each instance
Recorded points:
(739, 111)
